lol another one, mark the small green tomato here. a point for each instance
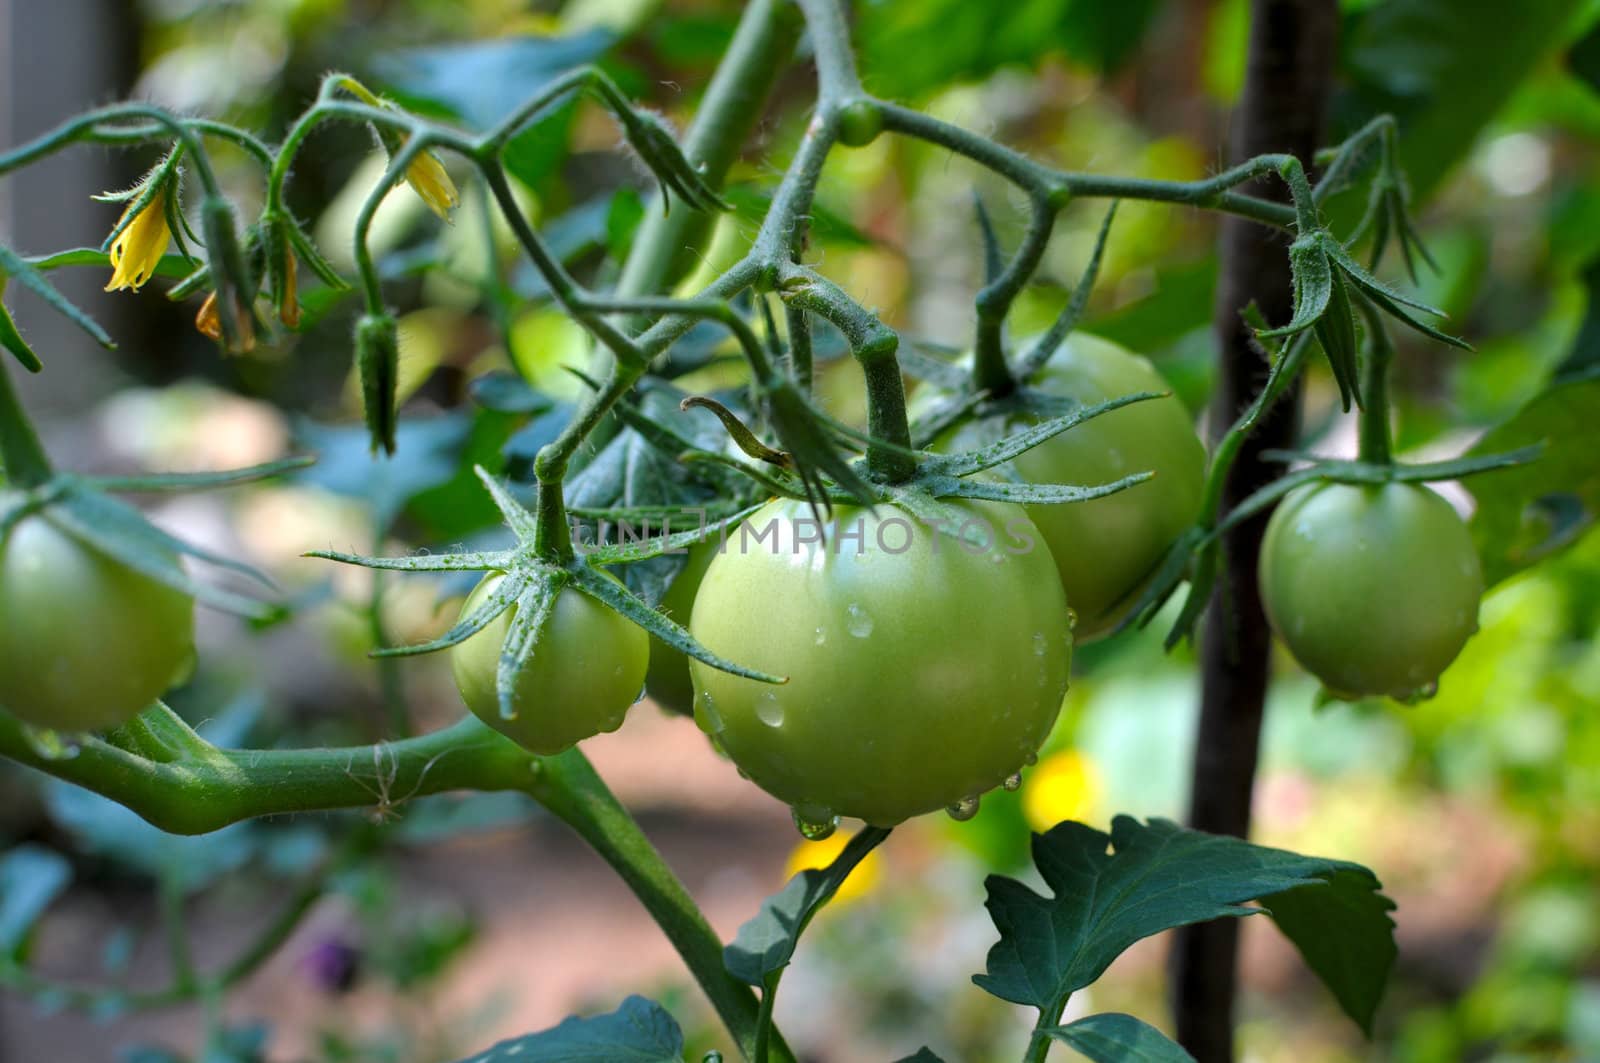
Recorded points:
(585, 672)
(1107, 548)
(1373, 589)
(86, 643)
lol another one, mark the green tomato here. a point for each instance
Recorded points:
(585, 672)
(1106, 549)
(922, 671)
(86, 643)
(1373, 589)
(668, 681)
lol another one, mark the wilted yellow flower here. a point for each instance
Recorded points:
(819, 855)
(208, 322)
(428, 178)
(1062, 786)
(137, 250)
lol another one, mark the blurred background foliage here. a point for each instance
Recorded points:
(1480, 809)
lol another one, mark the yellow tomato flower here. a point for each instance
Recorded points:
(137, 250)
(428, 178)
(1062, 786)
(818, 855)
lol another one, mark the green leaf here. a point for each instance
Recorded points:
(1530, 512)
(922, 1055)
(197, 481)
(640, 1031)
(915, 46)
(1345, 935)
(1583, 361)
(12, 340)
(765, 945)
(118, 530)
(506, 392)
(14, 265)
(170, 266)
(31, 877)
(1444, 68)
(1116, 1038)
(1156, 876)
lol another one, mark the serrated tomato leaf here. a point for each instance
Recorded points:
(1112, 1037)
(1111, 890)
(640, 1031)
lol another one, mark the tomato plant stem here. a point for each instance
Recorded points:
(1288, 78)
(732, 105)
(22, 456)
(570, 788)
(206, 789)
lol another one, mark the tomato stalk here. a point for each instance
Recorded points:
(1374, 445)
(991, 372)
(204, 791)
(733, 103)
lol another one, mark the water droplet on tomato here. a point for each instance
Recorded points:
(859, 623)
(1031, 759)
(1041, 645)
(707, 715)
(1013, 781)
(813, 827)
(1425, 692)
(822, 636)
(963, 809)
(1072, 619)
(768, 710)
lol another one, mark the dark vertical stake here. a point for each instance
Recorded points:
(1287, 85)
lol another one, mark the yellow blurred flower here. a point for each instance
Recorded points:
(818, 855)
(1062, 786)
(137, 250)
(428, 178)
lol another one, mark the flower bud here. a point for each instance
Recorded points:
(378, 366)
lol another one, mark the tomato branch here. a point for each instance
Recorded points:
(208, 788)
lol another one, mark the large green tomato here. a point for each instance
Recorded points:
(1106, 549)
(86, 643)
(1374, 589)
(922, 669)
(585, 672)
(668, 681)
